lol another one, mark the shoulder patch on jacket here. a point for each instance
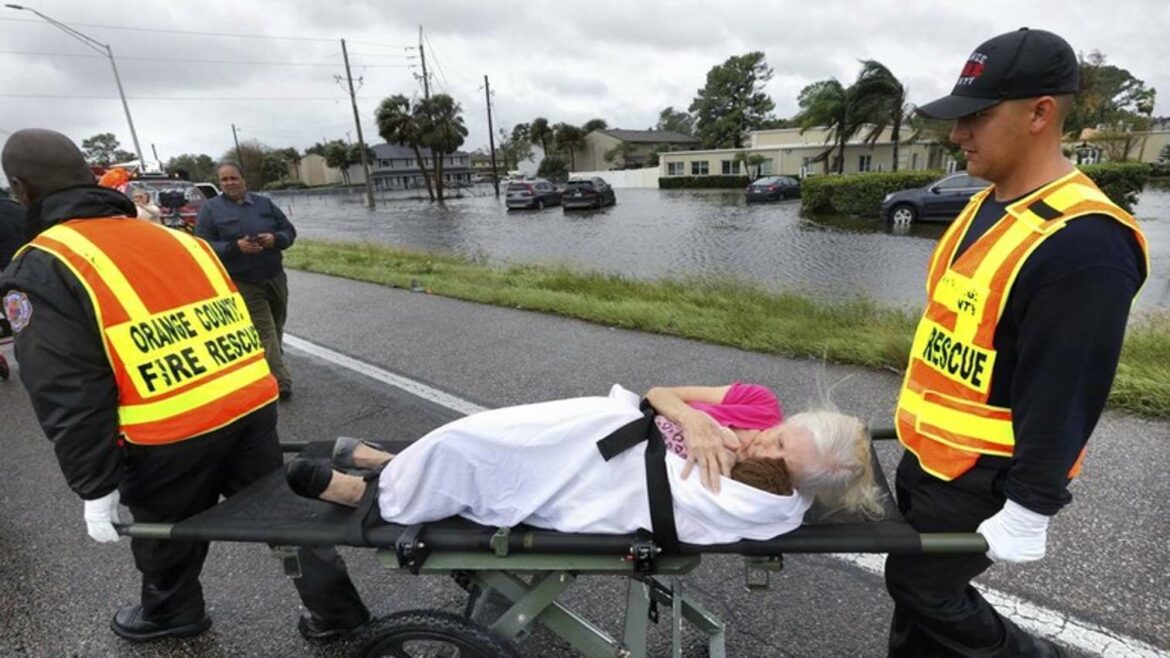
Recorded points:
(17, 309)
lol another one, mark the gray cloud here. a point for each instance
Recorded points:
(567, 61)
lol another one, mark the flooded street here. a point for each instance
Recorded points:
(682, 233)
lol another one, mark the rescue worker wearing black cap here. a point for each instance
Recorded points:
(1028, 295)
(147, 374)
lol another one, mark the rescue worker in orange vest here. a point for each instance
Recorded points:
(146, 373)
(1028, 294)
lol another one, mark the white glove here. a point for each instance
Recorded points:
(1015, 534)
(100, 516)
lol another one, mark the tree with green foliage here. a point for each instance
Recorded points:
(828, 103)
(553, 168)
(879, 99)
(443, 130)
(623, 150)
(102, 150)
(514, 146)
(199, 168)
(676, 121)
(733, 101)
(260, 166)
(568, 139)
(751, 161)
(594, 124)
(1109, 96)
(398, 124)
(1164, 155)
(292, 161)
(539, 132)
(337, 156)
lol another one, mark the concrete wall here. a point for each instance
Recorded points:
(789, 159)
(625, 178)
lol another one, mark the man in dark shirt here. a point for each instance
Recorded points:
(1053, 353)
(11, 237)
(249, 232)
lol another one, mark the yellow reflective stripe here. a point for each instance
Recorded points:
(990, 430)
(105, 267)
(210, 268)
(151, 412)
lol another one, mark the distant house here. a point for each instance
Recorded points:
(641, 144)
(481, 163)
(1096, 145)
(395, 167)
(312, 170)
(788, 151)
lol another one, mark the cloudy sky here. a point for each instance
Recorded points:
(192, 69)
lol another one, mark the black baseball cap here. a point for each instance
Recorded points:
(1021, 64)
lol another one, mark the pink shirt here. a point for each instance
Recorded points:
(746, 406)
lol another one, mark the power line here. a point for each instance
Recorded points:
(191, 61)
(190, 32)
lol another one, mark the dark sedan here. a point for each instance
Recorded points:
(587, 193)
(536, 193)
(942, 200)
(773, 188)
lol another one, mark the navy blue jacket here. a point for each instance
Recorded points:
(222, 221)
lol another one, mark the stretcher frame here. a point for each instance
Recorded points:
(531, 568)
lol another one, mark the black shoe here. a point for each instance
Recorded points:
(129, 624)
(313, 627)
(285, 394)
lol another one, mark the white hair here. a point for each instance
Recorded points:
(844, 477)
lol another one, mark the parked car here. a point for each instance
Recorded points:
(941, 200)
(179, 200)
(536, 193)
(588, 193)
(209, 190)
(773, 188)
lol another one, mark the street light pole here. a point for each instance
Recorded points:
(104, 49)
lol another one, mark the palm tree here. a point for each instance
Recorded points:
(443, 131)
(880, 99)
(827, 103)
(398, 125)
(539, 132)
(568, 139)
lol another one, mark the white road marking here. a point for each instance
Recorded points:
(1057, 626)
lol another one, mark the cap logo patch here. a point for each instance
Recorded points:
(17, 309)
(972, 69)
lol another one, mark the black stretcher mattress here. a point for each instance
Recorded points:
(269, 512)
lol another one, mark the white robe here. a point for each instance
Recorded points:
(539, 464)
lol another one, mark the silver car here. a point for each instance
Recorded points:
(536, 193)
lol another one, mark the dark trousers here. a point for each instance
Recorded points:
(165, 484)
(936, 610)
(267, 303)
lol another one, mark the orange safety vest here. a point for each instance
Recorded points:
(184, 352)
(943, 416)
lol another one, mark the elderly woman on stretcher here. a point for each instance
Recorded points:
(540, 465)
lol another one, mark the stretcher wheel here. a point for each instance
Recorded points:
(432, 633)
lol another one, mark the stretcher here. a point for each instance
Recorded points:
(525, 570)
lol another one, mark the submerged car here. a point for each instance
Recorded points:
(587, 193)
(773, 188)
(536, 193)
(941, 200)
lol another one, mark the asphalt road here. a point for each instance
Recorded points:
(1108, 564)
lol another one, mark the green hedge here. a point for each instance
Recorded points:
(1120, 181)
(1160, 170)
(703, 182)
(858, 194)
(862, 194)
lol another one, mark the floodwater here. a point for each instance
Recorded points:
(681, 233)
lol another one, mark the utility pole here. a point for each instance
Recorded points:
(422, 54)
(358, 121)
(155, 151)
(239, 155)
(487, 94)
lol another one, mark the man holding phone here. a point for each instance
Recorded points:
(248, 232)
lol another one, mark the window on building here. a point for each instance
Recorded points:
(699, 168)
(864, 162)
(730, 167)
(766, 167)
(674, 169)
(913, 161)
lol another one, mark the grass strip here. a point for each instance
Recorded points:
(717, 310)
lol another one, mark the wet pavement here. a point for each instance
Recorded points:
(683, 233)
(1107, 563)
